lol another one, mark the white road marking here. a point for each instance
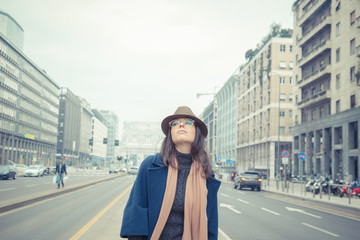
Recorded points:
(225, 237)
(270, 211)
(243, 201)
(224, 195)
(321, 230)
(6, 189)
(230, 207)
(32, 185)
(302, 211)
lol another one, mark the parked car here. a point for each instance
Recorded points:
(114, 169)
(20, 168)
(34, 171)
(248, 180)
(7, 171)
(133, 170)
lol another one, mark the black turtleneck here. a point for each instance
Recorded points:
(174, 226)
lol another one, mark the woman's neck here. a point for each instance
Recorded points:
(183, 148)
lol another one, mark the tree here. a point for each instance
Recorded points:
(275, 29)
(249, 54)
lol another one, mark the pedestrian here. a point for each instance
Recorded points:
(174, 195)
(60, 169)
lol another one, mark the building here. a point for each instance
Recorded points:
(209, 118)
(69, 127)
(29, 104)
(11, 30)
(112, 124)
(98, 134)
(265, 108)
(327, 75)
(140, 140)
(85, 132)
(226, 122)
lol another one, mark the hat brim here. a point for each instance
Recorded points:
(165, 123)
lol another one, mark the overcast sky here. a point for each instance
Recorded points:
(142, 59)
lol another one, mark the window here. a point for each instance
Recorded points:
(282, 97)
(352, 46)
(313, 91)
(282, 64)
(322, 86)
(290, 113)
(282, 48)
(322, 63)
(282, 80)
(291, 65)
(352, 17)
(313, 114)
(338, 55)
(352, 73)
(282, 113)
(352, 101)
(337, 106)
(291, 47)
(338, 29)
(338, 80)
(291, 97)
(290, 80)
(282, 130)
(338, 6)
(321, 112)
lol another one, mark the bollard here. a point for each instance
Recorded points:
(320, 191)
(349, 194)
(329, 190)
(305, 189)
(277, 184)
(292, 189)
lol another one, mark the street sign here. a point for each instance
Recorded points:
(302, 156)
(285, 160)
(285, 153)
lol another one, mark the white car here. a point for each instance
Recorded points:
(133, 170)
(33, 171)
(20, 168)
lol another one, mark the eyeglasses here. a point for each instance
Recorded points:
(187, 122)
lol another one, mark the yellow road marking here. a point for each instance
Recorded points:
(99, 215)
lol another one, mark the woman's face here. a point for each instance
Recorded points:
(183, 131)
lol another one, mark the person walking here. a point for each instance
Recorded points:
(60, 169)
(174, 195)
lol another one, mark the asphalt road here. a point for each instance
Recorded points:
(95, 212)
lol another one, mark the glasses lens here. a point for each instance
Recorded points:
(174, 123)
(189, 122)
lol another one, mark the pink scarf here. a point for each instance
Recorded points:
(195, 218)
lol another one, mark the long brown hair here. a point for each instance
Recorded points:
(198, 152)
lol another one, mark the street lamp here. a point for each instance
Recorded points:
(277, 158)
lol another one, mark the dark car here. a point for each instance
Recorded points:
(7, 171)
(248, 180)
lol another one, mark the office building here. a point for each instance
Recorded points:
(112, 124)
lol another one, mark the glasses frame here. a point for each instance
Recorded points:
(184, 121)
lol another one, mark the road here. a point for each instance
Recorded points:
(95, 212)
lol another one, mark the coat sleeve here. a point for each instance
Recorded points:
(135, 218)
(213, 211)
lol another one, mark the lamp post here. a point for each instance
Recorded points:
(277, 158)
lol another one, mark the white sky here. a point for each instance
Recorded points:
(142, 59)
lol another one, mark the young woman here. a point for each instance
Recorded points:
(175, 193)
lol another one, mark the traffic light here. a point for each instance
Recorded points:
(116, 142)
(105, 141)
(119, 157)
(91, 142)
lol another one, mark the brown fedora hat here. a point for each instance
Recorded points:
(183, 112)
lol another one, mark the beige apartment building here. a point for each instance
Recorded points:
(327, 116)
(265, 109)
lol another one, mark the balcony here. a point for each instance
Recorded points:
(321, 96)
(325, 45)
(326, 21)
(315, 75)
(310, 11)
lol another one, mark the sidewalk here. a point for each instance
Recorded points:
(297, 190)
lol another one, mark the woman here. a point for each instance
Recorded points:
(175, 193)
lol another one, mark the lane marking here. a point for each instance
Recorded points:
(270, 211)
(243, 201)
(32, 185)
(99, 215)
(302, 211)
(225, 237)
(224, 195)
(230, 207)
(6, 189)
(321, 230)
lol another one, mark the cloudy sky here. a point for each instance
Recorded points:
(142, 59)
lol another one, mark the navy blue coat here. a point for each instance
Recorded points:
(143, 207)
